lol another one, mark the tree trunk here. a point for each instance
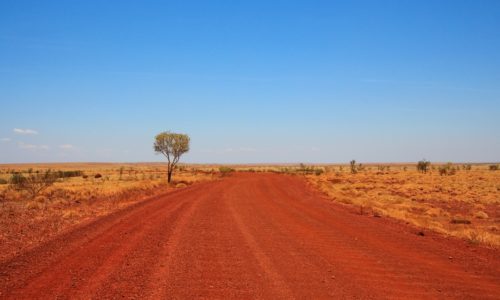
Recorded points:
(169, 176)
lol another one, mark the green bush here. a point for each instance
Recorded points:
(305, 169)
(225, 170)
(67, 174)
(17, 179)
(34, 183)
(423, 166)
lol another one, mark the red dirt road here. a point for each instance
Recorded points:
(249, 236)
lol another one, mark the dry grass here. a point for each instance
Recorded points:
(464, 205)
(25, 223)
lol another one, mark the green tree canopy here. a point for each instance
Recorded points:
(172, 145)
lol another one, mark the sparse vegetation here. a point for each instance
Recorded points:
(33, 184)
(224, 170)
(447, 169)
(423, 166)
(493, 167)
(68, 174)
(303, 169)
(453, 205)
(354, 168)
(121, 172)
(70, 200)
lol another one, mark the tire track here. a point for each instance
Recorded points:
(249, 236)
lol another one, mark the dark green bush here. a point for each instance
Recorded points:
(423, 166)
(68, 174)
(225, 170)
(34, 183)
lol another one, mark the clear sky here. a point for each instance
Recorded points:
(250, 81)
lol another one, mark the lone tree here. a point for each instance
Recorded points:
(172, 145)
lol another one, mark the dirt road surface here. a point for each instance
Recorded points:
(250, 236)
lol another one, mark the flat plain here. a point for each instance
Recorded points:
(263, 232)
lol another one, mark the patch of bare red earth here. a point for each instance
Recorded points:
(249, 236)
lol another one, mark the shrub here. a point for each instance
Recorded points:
(34, 184)
(423, 166)
(447, 169)
(96, 176)
(225, 170)
(305, 169)
(353, 166)
(17, 178)
(318, 172)
(67, 174)
(121, 173)
(493, 167)
(3, 181)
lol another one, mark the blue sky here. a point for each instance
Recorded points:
(250, 81)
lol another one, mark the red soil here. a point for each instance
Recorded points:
(249, 236)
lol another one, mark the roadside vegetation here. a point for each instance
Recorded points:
(41, 200)
(460, 200)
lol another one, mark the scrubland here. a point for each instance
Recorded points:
(99, 189)
(459, 200)
(463, 203)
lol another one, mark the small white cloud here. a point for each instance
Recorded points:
(32, 147)
(26, 146)
(5, 140)
(25, 131)
(66, 147)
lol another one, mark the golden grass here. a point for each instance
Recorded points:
(26, 222)
(464, 205)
